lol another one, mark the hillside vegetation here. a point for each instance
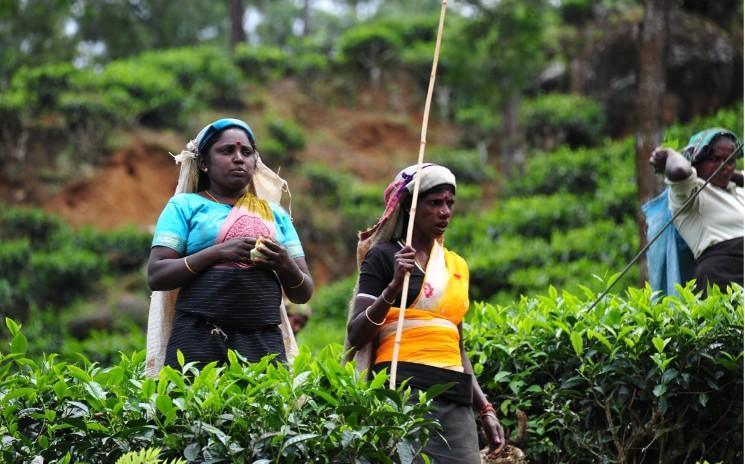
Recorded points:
(546, 216)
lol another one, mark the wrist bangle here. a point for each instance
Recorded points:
(189, 267)
(390, 303)
(302, 281)
(487, 409)
(481, 416)
(371, 321)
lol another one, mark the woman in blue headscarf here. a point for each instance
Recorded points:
(230, 251)
(712, 223)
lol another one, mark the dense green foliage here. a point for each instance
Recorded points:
(554, 119)
(633, 380)
(313, 411)
(44, 262)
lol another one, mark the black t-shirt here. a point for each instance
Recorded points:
(376, 272)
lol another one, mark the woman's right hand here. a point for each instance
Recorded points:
(236, 249)
(405, 260)
(659, 158)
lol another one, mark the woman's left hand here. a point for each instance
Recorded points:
(274, 255)
(494, 434)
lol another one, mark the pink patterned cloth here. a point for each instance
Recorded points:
(242, 221)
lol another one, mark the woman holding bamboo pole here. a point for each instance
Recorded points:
(431, 349)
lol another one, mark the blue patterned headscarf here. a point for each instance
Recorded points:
(210, 131)
(697, 148)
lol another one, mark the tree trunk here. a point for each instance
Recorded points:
(649, 106)
(236, 13)
(511, 140)
(306, 18)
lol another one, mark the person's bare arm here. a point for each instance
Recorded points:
(672, 163)
(168, 270)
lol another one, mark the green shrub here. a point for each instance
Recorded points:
(41, 86)
(263, 62)
(288, 133)
(332, 301)
(583, 170)
(28, 223)
(57, 277)
(14, 254)
(625, 382)
(155, 95)
(467, 165)
(313, 411)
(369, 47)
(125, 249)
(206, 73)
(555, 119)
(677, 136)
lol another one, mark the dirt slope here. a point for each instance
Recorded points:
(135, 182)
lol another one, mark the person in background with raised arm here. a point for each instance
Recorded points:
(711, 224)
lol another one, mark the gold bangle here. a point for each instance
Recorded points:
(189, 267)
(371, 321)
(302, 281)
(390, 303)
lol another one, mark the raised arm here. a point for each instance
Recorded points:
(672, 163)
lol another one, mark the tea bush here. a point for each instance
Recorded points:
(45, 262)
(207, 74)
(260, 63)
(313, 411)
(555, 119)
(286, 138)
(636, 379)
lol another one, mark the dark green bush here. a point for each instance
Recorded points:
(555, 119)
(467, 165)
(125, 249)
(262, 62)
(579, 171)
(332, 301)
(28, 223)
(155, 95)
(677, 136)
(285, 139)
(206, 73)
(636, 379)
(41, 86)
(315, 411)
(57, 277)
(369, 47)
(14, 254)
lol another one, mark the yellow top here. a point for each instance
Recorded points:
(430, 333)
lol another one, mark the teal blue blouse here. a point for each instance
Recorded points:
(190, 223)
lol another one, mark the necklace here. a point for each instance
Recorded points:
(212, 196)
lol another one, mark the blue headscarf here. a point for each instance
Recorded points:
(697, 146)
(210, 131)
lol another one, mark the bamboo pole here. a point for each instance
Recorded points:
(412, 211)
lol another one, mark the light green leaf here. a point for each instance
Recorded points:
(576, 339)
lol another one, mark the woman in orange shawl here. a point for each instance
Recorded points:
(431, 350)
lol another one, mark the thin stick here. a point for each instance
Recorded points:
(412, 211)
